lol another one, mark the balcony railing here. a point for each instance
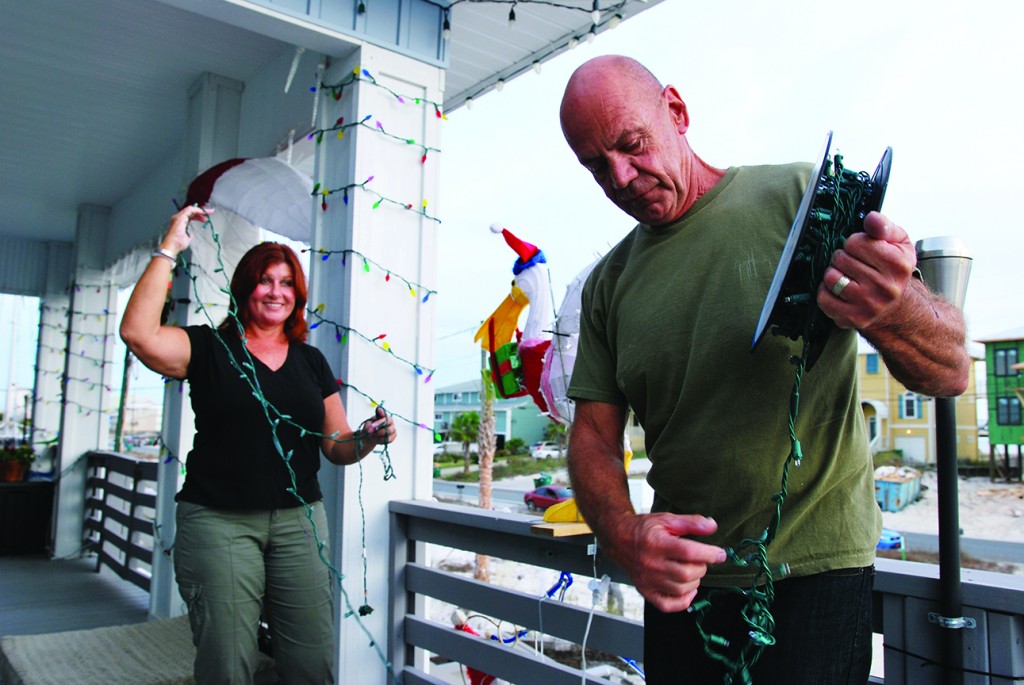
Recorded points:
(119, 510)
(906, 594)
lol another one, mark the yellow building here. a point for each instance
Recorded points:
(898, 419)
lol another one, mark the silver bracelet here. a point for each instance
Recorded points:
(161, 252)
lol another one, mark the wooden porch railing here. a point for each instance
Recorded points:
(119, 511)
(905, 594)
(121, 497)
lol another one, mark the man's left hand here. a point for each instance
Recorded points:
(868, 276)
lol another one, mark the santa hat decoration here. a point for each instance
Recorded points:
(529, 255)
(265, 191)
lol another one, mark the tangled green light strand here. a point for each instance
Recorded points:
(839, 196)
(247, 371)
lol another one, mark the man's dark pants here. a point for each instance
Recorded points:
(822, 635)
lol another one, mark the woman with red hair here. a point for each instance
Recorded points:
(250, 520)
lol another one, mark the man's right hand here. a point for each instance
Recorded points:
(665, 567)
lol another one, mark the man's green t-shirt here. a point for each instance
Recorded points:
(667, 323)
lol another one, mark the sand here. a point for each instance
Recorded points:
(988, 510)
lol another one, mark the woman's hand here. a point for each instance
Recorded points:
(178, 236)
(379, 430)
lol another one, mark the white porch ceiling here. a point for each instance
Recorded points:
(92, 92)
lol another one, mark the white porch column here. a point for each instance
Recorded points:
(87, 408)
(365, 304)
(214, 105)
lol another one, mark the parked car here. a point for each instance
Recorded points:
(453, 447)
(544, 450)
(890, 539)
(545, 496)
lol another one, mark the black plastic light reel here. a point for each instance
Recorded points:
(833, 207)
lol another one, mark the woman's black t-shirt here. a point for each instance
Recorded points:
(234, 463)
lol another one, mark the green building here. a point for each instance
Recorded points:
(1004, 362)
(518, 417)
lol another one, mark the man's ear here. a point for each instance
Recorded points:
(676, 108)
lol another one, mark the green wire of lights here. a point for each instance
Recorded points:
(247, 371)
(838, 206)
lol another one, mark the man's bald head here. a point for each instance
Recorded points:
(607, 77)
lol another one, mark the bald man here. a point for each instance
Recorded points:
(667, 319)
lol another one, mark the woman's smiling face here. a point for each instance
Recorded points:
(273, 299)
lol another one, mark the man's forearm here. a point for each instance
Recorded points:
(924, 343)
(597, 470)
(601, 491)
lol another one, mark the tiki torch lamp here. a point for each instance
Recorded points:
(945, 264)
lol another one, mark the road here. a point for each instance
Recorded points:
(988, 550)
(470, 494)
(512, 499)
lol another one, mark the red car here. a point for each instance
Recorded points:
(543, 497)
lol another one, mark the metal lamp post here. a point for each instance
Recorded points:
(945, 264)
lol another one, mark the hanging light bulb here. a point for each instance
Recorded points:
(573, 42)
(536, 66)
(469, 103)
(500, 85)
(595, 14)
(512, 16)
(362, 8)
(591, 36)
(615, 21)
(446, 28)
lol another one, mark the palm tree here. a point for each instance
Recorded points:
(465, 428)
(555, 432)
(486, 441)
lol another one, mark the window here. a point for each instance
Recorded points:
(1005, 360)
(456, 397)
(1008, 411)
(872, 363)
(143, 398)
(910, 406)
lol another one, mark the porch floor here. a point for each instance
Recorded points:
(42, 595)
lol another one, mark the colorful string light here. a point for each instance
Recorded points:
(374, 403)
(340, 127)
(336, 90)
(341, 332)
(326, 192)
(413, 286)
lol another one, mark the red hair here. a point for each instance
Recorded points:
(250, 269)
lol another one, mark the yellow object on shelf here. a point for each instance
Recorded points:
(567, 512)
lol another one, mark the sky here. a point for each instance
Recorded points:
(939, 82)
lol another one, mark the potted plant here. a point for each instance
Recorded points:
(16, 462)
(7, 461)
